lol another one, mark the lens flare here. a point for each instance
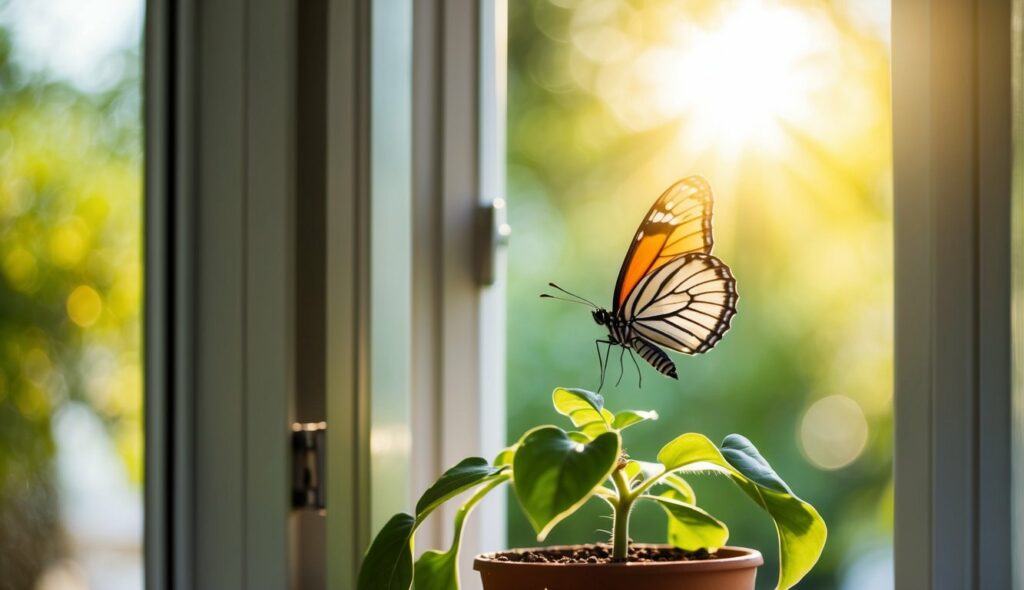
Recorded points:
(743, 80)
(833, 432)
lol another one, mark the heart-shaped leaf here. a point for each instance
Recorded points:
(681, 487)
(579, 437)
(584, 408)
(642, 470)
(554, 475)
(388, 563)
(437, 571)
(687, 450)
(627, 418)
(468, 473)
(689, 527)
(505, 456)
(744, 456)
(440, 571)
(800, 528)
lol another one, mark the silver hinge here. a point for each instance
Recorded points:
(309, 449)
(492, 233)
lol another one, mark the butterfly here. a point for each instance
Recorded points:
(671, 292)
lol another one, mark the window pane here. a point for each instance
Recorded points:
(784, 108)
(70, 295)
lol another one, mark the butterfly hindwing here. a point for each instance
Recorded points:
(685, 305)
(678, 223)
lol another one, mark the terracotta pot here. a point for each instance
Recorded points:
(734, 569)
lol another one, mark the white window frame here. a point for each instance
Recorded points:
(954, 412)
(455, 406)
(219, 292)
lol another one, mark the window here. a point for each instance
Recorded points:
(71, 435)
(278, 297)
(785, 109)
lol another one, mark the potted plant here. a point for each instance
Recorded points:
(554, 472)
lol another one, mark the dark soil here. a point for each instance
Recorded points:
(600, 554)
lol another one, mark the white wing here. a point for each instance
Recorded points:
(685, 305)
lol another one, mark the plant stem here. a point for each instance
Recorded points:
(620, 510)
(467, 507)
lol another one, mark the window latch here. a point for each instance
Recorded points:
(309, 447)
(491, 235)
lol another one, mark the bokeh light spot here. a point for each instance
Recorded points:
(21, 270)
(68, 244)
(833, 432)
(84, 306)
(36, 366)
(32, 402)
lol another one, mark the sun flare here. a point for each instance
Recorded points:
(744, 80)
(740, 78)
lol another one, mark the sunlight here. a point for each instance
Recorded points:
(742, 81)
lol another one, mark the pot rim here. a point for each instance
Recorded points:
(736, 558)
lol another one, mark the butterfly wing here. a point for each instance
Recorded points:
(678, 223)
(685, 305)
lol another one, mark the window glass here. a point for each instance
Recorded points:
(785, 108)
(70, 295)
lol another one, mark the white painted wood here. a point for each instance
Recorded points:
(458, 327)
(1017, 291)
(952, 240)
(491, 514)
(347, 291)
(219, 313)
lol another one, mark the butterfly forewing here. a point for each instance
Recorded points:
(678, 223)
(685, 305)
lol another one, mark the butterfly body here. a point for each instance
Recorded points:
(671, 293)
(619, 330)
(620, 333)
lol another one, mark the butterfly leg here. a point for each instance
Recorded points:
(622, 366)
(639, 374)
(602, 361)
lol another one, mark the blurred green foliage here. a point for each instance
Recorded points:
(801, 167)
(70, 288)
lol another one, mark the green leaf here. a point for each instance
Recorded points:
(632, 470)
(688, 449)
(682, 488)
(505, 457)
(584, 408)
(437, 570)
(689, 527)
(453, 482)
(643, 470)
(627, 418)
(388, 563)
(579, 437)
(744, 456)
(553, 475)
(800, 528)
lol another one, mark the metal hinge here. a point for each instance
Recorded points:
(492, 233)
(309, 447)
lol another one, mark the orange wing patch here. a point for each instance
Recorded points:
(678, 223)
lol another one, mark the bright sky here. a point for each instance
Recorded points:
(74, 39)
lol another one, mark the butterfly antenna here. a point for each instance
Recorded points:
(571, 294)
(547, 296)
